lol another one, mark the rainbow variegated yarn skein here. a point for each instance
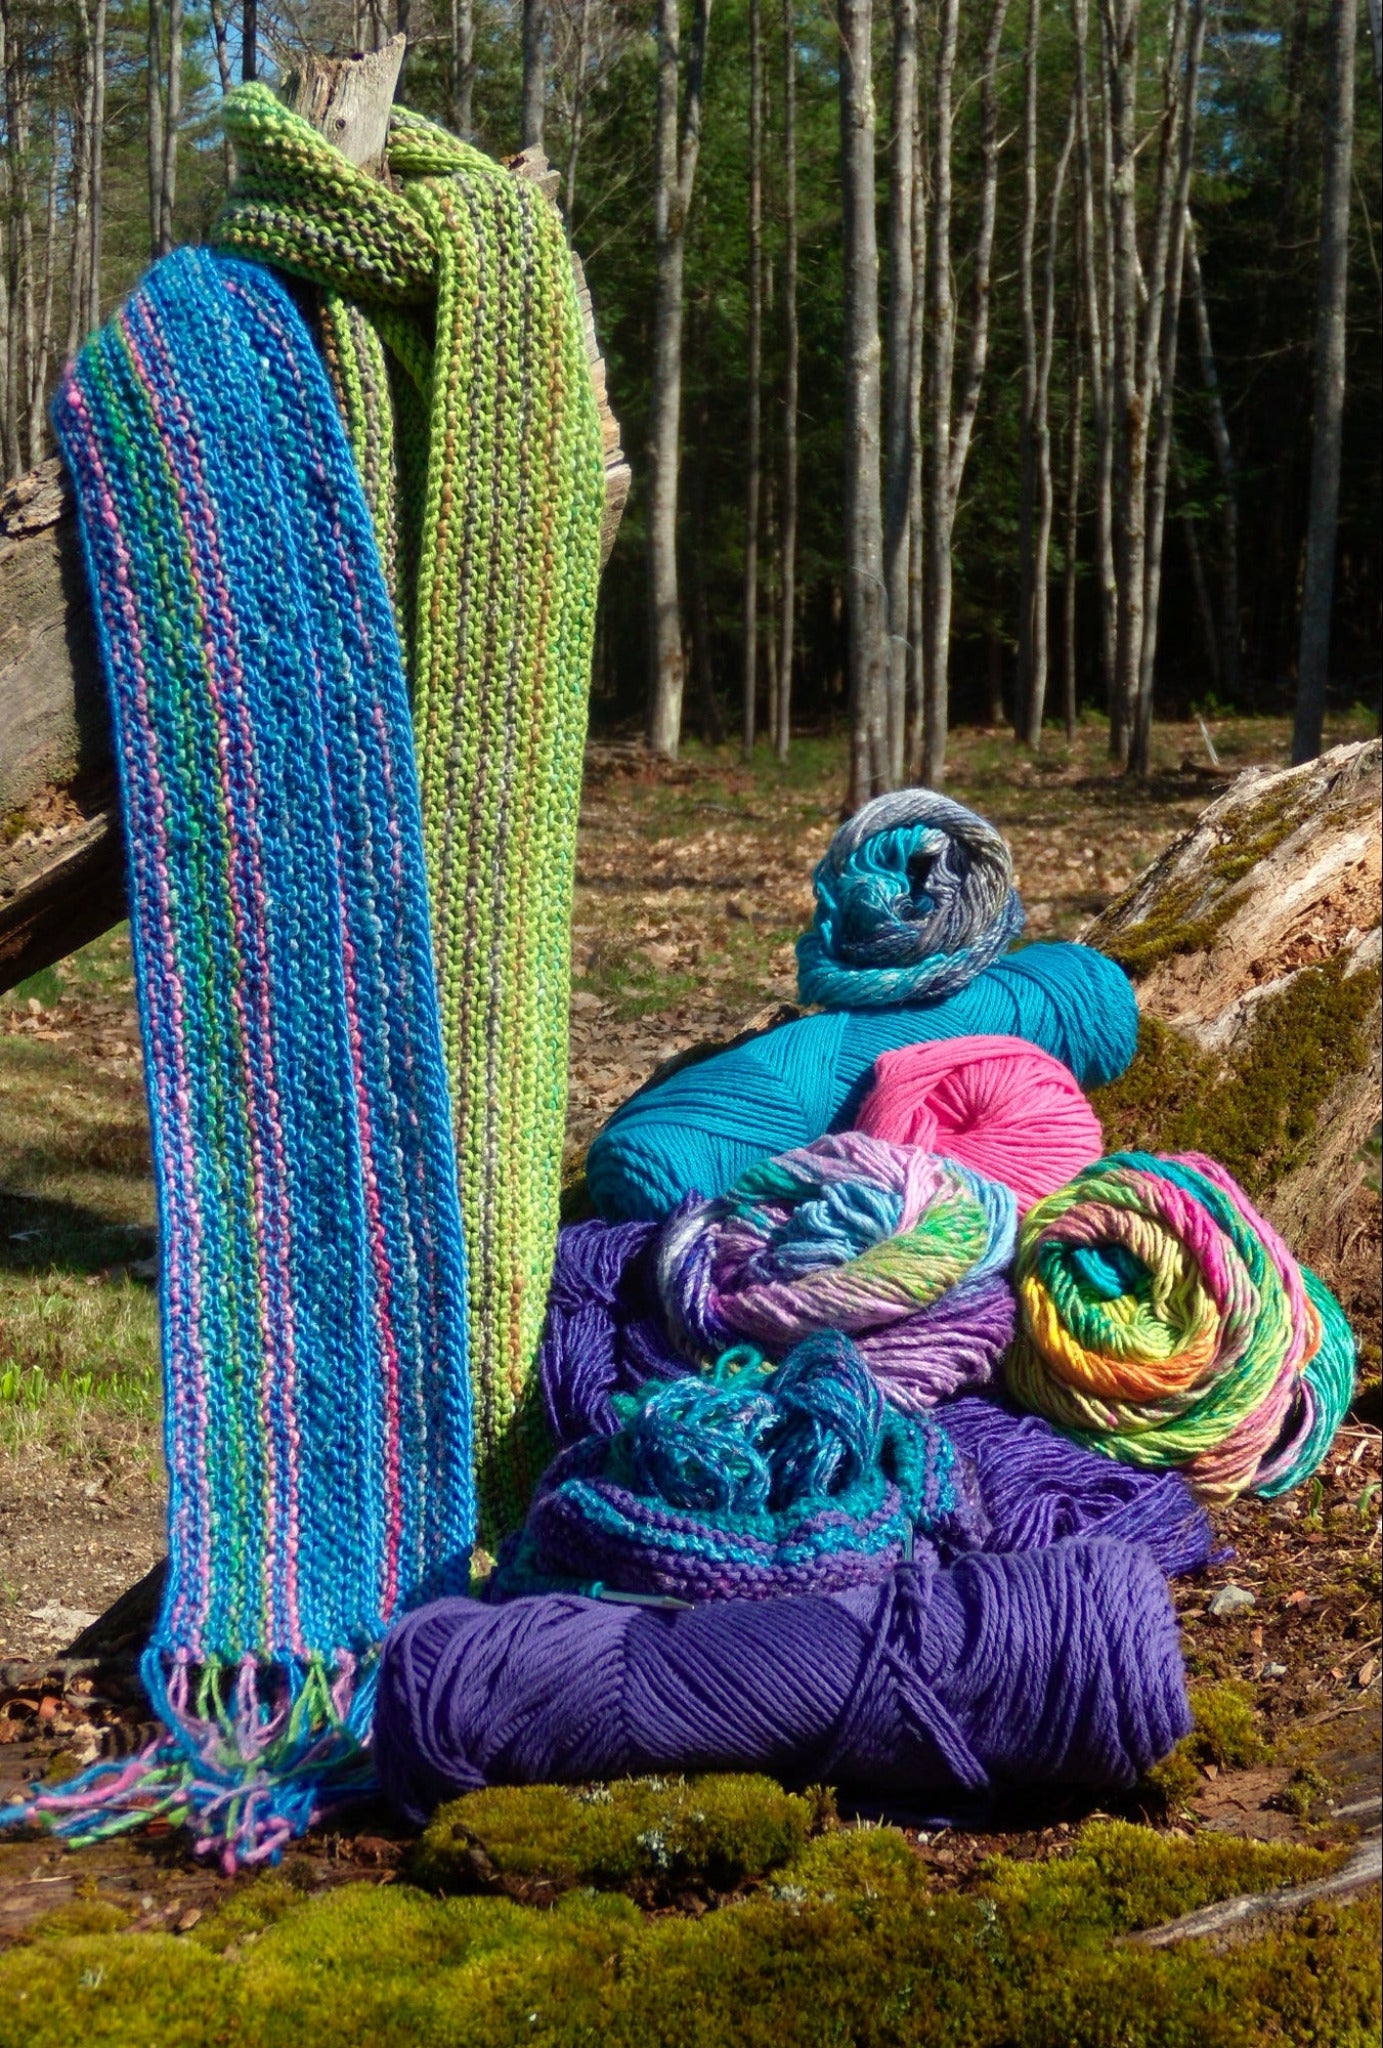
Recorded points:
(914, 898)
(745, 1483)
(905, 1251)
(1164, 1322)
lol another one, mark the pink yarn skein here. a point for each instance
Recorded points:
(999, 1105)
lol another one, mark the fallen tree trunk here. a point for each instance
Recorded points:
(1255, 944)
(61, 862)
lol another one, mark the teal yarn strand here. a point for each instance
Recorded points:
(699, 1129)
(1327, 1388)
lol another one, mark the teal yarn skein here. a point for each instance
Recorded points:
(914, 898)
(696, 1130)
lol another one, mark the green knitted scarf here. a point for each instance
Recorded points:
(450, 328)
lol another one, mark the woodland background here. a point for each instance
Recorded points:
(923, 321)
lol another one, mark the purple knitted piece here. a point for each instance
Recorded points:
(604, 1332)
(1060, 1666)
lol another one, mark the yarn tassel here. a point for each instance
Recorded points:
(249, 1757)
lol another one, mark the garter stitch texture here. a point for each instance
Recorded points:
(317, 1415)
(907, 1252)
(743, 1484)
(451, 328)
(914, 897)
(695, 1131)
(1164, 1321)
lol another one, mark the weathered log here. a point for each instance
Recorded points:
(61, 862)
(1262, 922)
(1251, 1913)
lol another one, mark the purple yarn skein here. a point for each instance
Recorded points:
(1030, 1485)
(1059, 1666)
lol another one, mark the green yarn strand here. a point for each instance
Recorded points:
(481, 455)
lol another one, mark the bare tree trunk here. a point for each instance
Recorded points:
(941, 309)
(38, 368)
(1042, 450)
(952, 432)
(1228, 659)
(153, 90)
(916, 379)
(782, 737)
(171, 120)
(1205, 610)
(866, 620)
(676, 149)
(1025, 684)
(1071, 537)
(9, 410)
(1121, 89)
(96, 199)
(78, 290)
(900, 414)
(23, 337)
(1099, 262)
(1318, 589)
(220, 36)
(463, 67)
(703, 679)
(749, 653)
(534, 73)
(249, 55)
(578, 113)
(1164, 387)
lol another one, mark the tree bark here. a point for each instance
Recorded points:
(61, 861)
(153, 99)
(462, 52)
(1026, 686)
(534, 73)
(1042, 452)
(900, 411)
(916, 399)
(749, 649)
(96, 204)
(1164, 385)
(941, 308)
(1098, 268)
(249, 54)
(83, 113)
(866, 620)
(782, 737)
(172, 119)
(1071, 536)
(9, 411)
(675, 154)
(578, 115)
(1313, 662)
(1229, 661)
(220, 37)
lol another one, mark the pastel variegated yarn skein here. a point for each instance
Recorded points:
(745, 1483)
(905, 1251)
(914, 898)
(1164, 1321)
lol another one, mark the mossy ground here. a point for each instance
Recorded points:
(851, 1942)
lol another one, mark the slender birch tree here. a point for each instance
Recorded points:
(782, 738)
(900, 408)
(677, 142)
(749, 650)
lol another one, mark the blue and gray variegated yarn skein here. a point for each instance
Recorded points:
(914, 898)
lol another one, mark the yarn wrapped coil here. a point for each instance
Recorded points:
(745, 1484)
(1164, 1321)
(695, 1130)
(1060, 1666)
(914, 897)
(905, 1251)
(1001, 1106)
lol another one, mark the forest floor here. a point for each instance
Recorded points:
(693, 882)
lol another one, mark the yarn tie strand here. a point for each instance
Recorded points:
(1164, 1321)
(747, 1483)
(914, 897)
(461, 281)
(899, 1248)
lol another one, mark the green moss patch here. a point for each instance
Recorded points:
(645, 1834)
(850, 1946)
(1258, 1112)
